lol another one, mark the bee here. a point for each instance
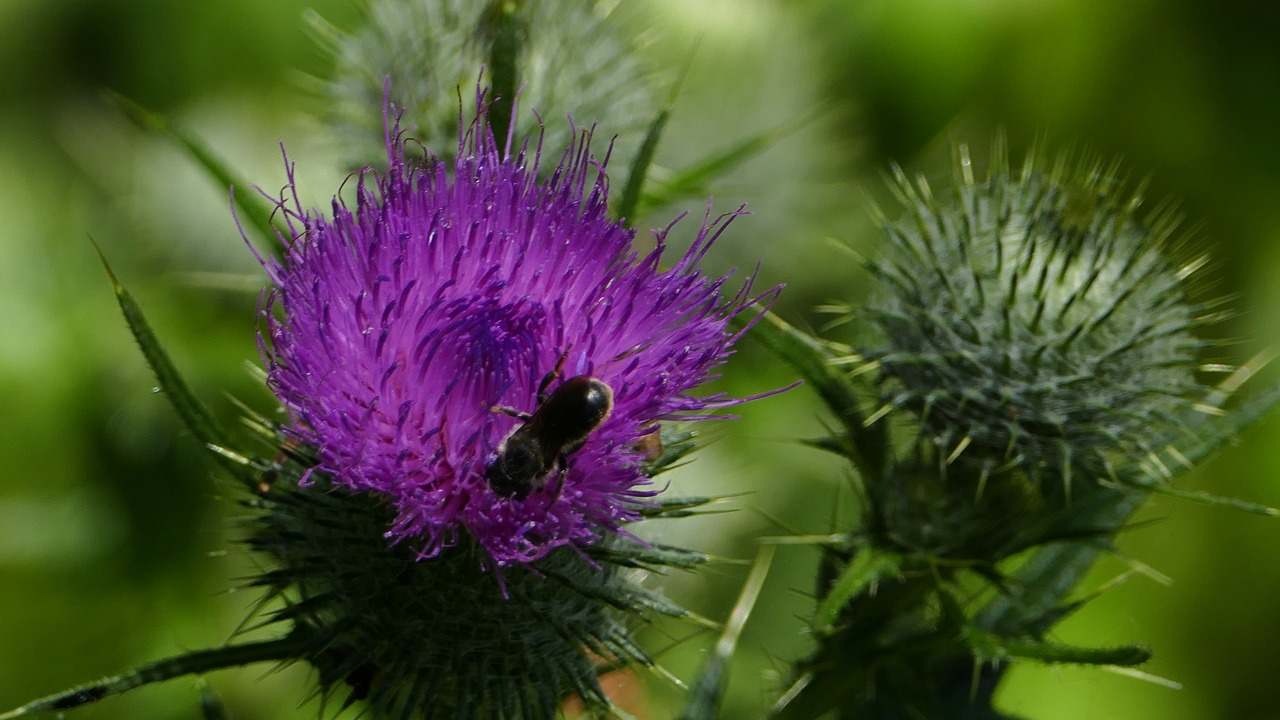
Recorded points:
(558, 427)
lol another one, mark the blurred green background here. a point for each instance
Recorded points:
(116, 545)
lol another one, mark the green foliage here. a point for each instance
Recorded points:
(85, 431)
(1037, 350)
(190, 663)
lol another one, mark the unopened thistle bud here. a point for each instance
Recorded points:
(563, 56)
(1035, 320)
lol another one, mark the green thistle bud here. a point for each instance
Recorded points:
(562, 57)
(1035, 320)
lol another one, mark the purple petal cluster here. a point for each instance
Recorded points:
(397, 329)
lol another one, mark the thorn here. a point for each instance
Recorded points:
(966, 164)
(1179, 457)
(115, 283)
(1190, 268)
(1160, 466)
(1133, 673)
(878, 415)
(982, 481)
(960, 448)
(1209, 410)
(229, 454)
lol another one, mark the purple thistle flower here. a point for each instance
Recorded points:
(397, 331)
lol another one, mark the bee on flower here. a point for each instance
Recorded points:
(399, 330)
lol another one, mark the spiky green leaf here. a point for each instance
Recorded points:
(868, 567)
(250, 205)
(190, 410)
(695, 180)
(196, 662)
(993, 647)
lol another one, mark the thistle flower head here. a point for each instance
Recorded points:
(1036, 320)
(406, 335)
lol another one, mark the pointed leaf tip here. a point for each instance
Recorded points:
(191, 411)
(111, 275)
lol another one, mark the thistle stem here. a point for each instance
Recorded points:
(195, 662)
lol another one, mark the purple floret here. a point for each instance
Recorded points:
(395, 330)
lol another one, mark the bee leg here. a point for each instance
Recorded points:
(560, 484)
(517, 414)
(562, 472)
(551, 376)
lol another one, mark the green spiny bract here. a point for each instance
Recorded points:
(444, 636)
(563, 57)
(966, 518)
(1036, 320)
